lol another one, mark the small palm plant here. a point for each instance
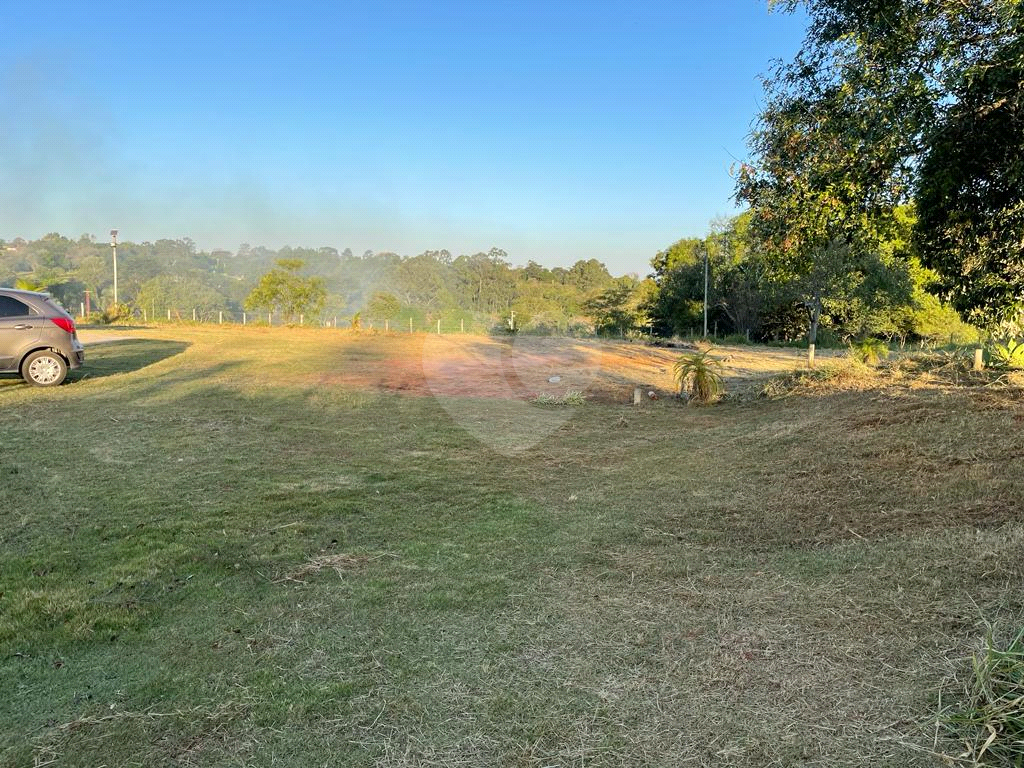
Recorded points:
(30, 284)
(869, 351)
(699, 377)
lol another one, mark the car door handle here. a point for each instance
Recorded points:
(22, 327)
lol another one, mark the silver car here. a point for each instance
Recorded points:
(38, 340)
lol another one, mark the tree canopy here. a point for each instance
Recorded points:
(891, 102)
(284, 291)
(970, 193)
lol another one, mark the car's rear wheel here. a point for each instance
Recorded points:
(44, 368)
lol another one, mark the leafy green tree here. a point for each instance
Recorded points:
(932, 320)
(485, 282)
(383, 306)
(676, 307)
(424, 280)
(742, 295)
(819, 211)
(738, 288)
(615, 310)
(535, 271)
(284, 291)
(970, 193)
(890, 99)
(682, 253)
(180, 294)
(93, 273)
(738, 283)
(588, 276)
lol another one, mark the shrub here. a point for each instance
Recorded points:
(933, 321)
(551, 323)
(869, 351)
(735, 338)
(824, 378)
(829, 338)
(572, 397)
(790, 344)
(955, 359)
(826, 339)
(579, 329)
(118, 313)
(990, 721)
(699, 377)
(1008, 356)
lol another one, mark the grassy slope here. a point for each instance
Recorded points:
(205, 563)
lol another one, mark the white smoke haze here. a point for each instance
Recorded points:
(65, 166)
(47, 137)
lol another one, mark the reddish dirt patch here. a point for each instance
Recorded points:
(523, 367)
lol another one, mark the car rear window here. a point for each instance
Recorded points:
(12, 307)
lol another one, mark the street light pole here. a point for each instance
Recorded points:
(113, 247)
(705, 290)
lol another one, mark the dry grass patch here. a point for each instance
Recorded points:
(201, 735)
(339, 563)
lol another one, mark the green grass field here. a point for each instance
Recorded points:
(215, 552)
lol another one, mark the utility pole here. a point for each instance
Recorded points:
(113, 247)
(705, 290)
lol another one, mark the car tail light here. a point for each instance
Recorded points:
(64, 322)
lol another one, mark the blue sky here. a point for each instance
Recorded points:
(554, 130)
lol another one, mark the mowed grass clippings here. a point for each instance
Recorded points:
(215, 552)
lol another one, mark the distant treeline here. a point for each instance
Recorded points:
(154, 277)
(484, 290)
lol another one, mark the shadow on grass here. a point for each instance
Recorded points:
(114, 357)
(105, 327)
